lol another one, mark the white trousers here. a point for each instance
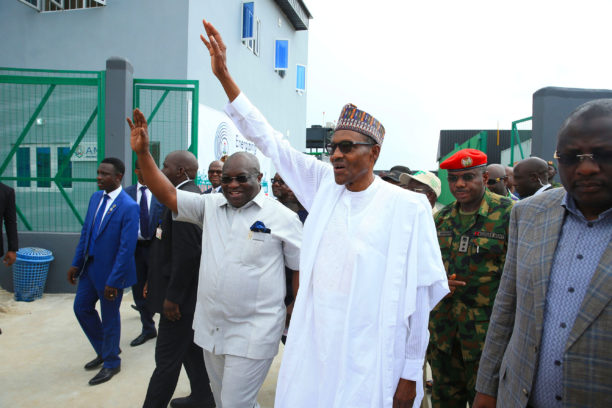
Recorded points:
(235, 381)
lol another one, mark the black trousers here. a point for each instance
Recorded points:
(142, 271)
(175, 347)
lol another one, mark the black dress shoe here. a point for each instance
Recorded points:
(142, 338)
(191, 402)
(104, 375)
(95, 363)
(135, 308)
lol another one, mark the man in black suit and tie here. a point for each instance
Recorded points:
(150, 215)
(215, 169)
(171, 292)
(8, 213)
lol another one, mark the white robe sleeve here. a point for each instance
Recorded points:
(418, 338)
(302, 173)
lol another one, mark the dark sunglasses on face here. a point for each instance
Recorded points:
(452, 178)
(600, 158)
(345, 146)
(279, 181)
(241, 178)
(496, 180)
(215, 171)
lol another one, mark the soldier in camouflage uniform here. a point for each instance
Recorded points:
(473, 236)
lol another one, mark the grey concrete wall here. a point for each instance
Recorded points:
(149, 33)
(118, 104)
(551, 106)
(62, 245)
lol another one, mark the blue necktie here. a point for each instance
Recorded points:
(144, 214)
(96, 224)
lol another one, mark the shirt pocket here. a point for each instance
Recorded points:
(253, 252)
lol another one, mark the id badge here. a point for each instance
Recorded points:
(158, 233)
(464, 243)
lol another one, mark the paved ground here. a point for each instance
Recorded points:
(43, 350)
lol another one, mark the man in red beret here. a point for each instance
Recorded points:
(473, 237)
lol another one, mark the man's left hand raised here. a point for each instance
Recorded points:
(405, 394)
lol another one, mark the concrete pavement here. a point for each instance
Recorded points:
(43, 351)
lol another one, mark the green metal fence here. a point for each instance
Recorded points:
(51, 141)
(170, 107)
(478, 141)
(515, 140)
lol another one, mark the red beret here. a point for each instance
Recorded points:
(464, 159)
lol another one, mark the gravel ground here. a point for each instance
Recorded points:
(43, 351)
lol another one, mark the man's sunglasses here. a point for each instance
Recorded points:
(452, 178)
(600, 158)
(492, 182)
(345, 146)
(241, 178)
(280, 182)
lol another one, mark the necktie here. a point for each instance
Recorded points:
(96, 224)
(144, 214)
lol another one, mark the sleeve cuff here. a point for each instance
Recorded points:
(413, 369)
(239, 106)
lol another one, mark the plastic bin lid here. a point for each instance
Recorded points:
(34, 254)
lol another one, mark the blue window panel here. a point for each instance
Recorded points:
(281, 60)
(43, 165)
(248, 20)
(62, 156)
(23, 166)
(300, 83)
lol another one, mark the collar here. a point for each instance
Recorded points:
(569, 204)
(257, 200)
(114, 194)
(482, 210)
(138, 186)
(183, 182)
(544, 187)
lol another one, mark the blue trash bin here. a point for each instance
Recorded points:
(30, 273)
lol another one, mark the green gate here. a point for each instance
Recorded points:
(51, 141)
(170, 107)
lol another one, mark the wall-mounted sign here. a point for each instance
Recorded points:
(86, 152)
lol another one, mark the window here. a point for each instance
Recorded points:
(43, 161)
(281, 57)
(43, 165)
(250, 27)
(63, 159)
(59, 5)
(248, 20)
(300, 83)
(23, 166)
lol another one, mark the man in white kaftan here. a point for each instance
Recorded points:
(370, 266)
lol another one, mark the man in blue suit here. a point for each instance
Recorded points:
(150, 211)
(104, 265)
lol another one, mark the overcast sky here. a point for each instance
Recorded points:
(423, 66)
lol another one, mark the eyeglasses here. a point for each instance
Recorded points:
(492, 182)
(345, 146)
(452, 178)
(241, 178)
(215, 171)
(600, 158)
(280, 182)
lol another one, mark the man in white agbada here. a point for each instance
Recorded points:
(370, 266)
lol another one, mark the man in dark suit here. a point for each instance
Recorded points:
(531, 177)
(172, 291)
(215, 169)
(548, 344)
(8, 212)
(104, 266)
(149, 218)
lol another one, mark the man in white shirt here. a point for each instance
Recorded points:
(531, 177)
(371, 268)
(247, 241)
